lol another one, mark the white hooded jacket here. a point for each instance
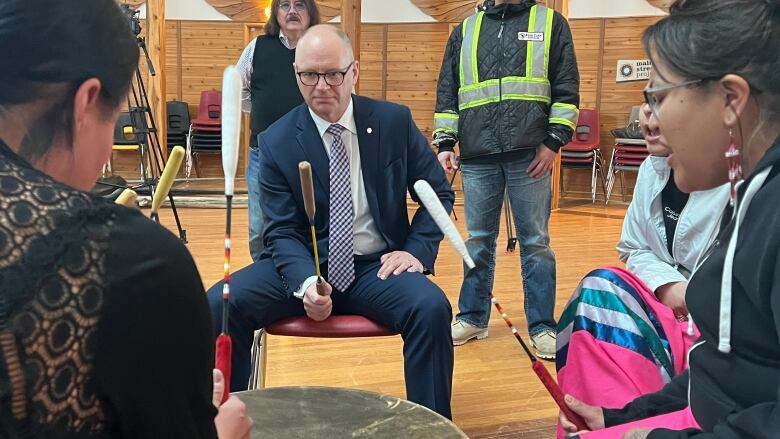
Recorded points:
(642, 244)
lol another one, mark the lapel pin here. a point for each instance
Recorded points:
(369, 130)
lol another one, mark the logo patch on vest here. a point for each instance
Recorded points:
(530, 36)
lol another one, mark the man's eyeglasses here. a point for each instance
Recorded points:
(331, 78)
(286, 6)
(651, 97)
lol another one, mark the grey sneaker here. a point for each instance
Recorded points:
(544, 344)
(463, 332)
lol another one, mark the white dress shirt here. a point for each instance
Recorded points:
(366, 237)
(244, 67)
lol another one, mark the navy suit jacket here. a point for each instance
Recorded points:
(393, 156)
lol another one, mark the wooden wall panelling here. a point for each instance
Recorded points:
(157, 86)
(622, 40)
(371, 82)
(414, 55)
(400, 62)
(587, 35)
(173, 63)
(599, 44)
(351, 25)
(207, 47)
(587, 38)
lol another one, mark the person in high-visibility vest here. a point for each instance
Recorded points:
(508, 93)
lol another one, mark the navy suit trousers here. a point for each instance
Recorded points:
(408, 303)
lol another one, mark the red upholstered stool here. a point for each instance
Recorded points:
(335, 326)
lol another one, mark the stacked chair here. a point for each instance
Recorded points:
(583, 151)
(205, 135)
(178, 123)
(628, 155)
(128, 136)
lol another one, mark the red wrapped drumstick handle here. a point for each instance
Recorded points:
(557, 395)
(549, 382)
(223, 360)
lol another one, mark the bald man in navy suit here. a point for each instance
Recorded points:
(365, 155)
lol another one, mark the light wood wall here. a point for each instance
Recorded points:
(599, 43)
(401, 62)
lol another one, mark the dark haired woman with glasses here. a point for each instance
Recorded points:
(715, 102)
(627, 330)
(104, 327)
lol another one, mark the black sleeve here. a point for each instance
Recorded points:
(155, 346)
(758, 421)
(564, 81)
(673, 397)
(447, 89)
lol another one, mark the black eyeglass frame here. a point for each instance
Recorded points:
(342, 74)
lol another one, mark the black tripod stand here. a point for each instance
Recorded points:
(150, 148)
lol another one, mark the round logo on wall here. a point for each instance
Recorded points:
(626, 70)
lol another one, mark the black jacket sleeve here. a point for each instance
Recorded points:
(758, 421)
(155, 346)
(673, 397)
(448, 85)
(564, 81)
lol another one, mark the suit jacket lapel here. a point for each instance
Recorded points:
(367, 126)
(310, 142)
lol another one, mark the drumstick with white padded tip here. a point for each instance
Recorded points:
(432, 203)
(231, 128)
(307, 188)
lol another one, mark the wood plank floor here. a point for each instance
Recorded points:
(495, 393)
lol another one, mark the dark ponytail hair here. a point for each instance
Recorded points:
(708, 39)
(51, 47)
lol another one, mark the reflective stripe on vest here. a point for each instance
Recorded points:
(534, 86)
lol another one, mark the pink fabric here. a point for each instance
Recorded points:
(680, 420)
(606, 375)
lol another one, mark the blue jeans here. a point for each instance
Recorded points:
(530, 198)
(256, 223)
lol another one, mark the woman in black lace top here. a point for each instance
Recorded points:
(104, 326)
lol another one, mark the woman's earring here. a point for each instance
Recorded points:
(735, 168)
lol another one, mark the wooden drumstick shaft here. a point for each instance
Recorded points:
(307, 188)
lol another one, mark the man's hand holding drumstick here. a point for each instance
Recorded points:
(316, 298)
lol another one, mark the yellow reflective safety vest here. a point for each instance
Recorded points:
(492, 104)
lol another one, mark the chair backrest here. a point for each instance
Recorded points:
(588, 125)
(582, 134)
(178, 117)
(634, 116)
(210, 106)
(125, 131)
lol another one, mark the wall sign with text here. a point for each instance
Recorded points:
(633, 70)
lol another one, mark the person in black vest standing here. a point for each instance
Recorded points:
(270, 89)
